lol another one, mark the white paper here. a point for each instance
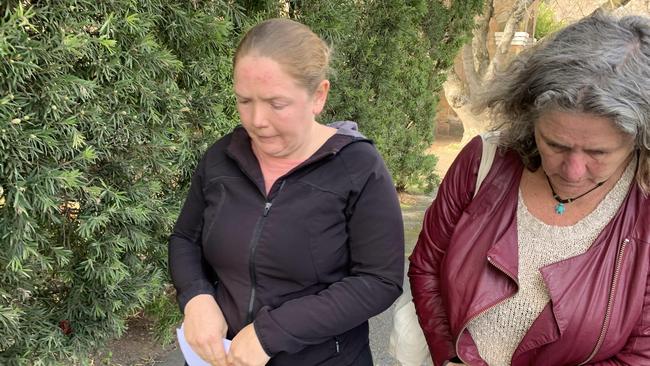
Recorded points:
(190, 356)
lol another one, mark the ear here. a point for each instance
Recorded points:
(320, 97)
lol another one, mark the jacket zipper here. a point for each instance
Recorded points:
(253, 246)
(610, 301)
(484, 310)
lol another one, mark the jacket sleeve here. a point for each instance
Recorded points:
(376, 267)
(637, 348)
(454, 194)
(189, 271)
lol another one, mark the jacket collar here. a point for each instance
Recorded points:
(239, 149)
(596, 264)
(502, 197)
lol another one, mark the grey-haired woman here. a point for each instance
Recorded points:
(548, 264)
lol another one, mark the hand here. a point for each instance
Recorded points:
(246, 349)
(205, 327)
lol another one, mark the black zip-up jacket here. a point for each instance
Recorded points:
(309, 263)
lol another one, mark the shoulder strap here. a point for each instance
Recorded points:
(490, 143)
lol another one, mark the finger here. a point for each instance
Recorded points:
(202, 350)
(218, 354)
(209, 351)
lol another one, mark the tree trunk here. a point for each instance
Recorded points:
(458, 98)
(473, 124)
(519, 10)
(479, 69)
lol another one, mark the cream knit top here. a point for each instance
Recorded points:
(498, 331)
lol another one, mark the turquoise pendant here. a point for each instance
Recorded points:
(559, 208)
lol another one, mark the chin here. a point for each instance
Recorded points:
(268, 147)
(274, 152)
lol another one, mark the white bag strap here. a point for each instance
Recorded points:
(490, 143)
(407, 343)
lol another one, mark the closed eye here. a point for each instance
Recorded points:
(596, 152)
(557, 147)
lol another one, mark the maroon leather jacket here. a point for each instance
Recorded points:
(466, 261)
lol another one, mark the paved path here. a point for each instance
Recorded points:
(380, 325)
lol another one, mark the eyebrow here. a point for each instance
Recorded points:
(550, 141)
(269, 99)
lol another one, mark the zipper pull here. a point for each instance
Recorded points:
(337, 346)
(267, 208)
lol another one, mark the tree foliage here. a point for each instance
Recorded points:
(103, 114)
(546, 23)
(391, 58)
(105, 109)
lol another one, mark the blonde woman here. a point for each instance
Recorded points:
(291, 236)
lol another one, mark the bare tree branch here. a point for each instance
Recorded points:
(480, 38)
(455, 90)
(479, 68)
(519, 11)
(474, 55)
(472, 77)
(610, 5)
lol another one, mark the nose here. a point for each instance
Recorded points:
(258, 116)
(575, 166)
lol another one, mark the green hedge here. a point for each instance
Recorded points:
(391, 59)
(105, 108)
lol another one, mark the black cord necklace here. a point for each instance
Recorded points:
(559, 208)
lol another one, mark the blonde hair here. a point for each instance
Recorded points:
(299, 51)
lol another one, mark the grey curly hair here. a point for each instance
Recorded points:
(599, 65)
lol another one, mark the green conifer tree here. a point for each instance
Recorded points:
(391, 59)
(105, 107)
